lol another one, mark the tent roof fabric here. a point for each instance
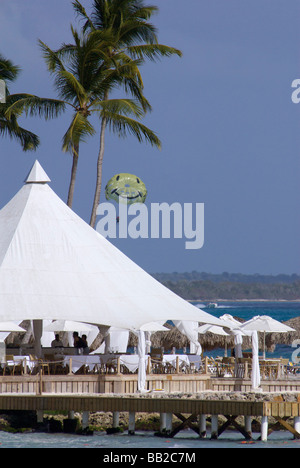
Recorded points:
(54, 266)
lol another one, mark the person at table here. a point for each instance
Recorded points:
(79, 343)
(57, 343)
(85, 346)
(76, 342)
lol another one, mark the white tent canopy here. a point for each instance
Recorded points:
(54, 266)
(10, 327)
(67, 326)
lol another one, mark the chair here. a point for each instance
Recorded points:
(37, 364)
(48, 363)
(156, 356)
(228, 366)
(9, 364)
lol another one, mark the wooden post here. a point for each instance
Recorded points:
(202, 426)
(24, 366)
(85, 419)
(70, 366)
(264, 428)
(279, 370)
(41, 381)
(166, 423)
(162, 426)
(297, 423)
(131, 424)
(214, 426)
(116, 419)
(177, 364)
(248, 427)
(246, 370)
(40, 416)
(118, 366)
(149, 365)
(206, 365)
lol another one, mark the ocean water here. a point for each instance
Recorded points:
(281, 311)
(145, 442)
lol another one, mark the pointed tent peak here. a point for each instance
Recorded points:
(37, 175)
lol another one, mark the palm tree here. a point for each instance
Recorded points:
(9, 126)
(132, 38)
(16, 104)
(83, 80)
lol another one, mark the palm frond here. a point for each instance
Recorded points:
(33, 106)
(123, 125)
(51, 57)
(8, 71)
(28, 140)
(81, 12)
(79, 128)
(69, 87)
(118, 107)
(153, 51)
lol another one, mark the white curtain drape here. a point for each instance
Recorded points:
(188, 329)
(255, 374)
(142, 362)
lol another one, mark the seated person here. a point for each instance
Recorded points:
(80, 344)
(85, 346)
(57, 343)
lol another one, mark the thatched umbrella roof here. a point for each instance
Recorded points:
(174, 338)
(285, 338)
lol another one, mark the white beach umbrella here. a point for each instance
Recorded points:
(68, 326)
(236, 332)
(232, 322)
(153, 327)
(212, 329)
(265, 324)
(215, 330)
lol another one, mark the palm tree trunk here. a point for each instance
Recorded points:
(73, 176)
(99, 174)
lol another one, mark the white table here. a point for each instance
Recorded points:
(131, 361)
(195, 360)
(172, 359)
(89, 361)
(25, 361)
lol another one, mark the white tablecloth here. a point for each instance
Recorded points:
(196, 360)
(78, 361)
(172, 358)
(131, 361)
(24, 360)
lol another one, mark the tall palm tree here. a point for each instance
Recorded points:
(83, 80)
(132, 38)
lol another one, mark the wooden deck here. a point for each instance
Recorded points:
(187, 410)
(128, 384)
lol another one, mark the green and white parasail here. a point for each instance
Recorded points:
(126, 188)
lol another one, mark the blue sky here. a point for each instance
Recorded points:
(229, 129)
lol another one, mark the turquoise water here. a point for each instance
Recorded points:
(281, 311)
(185, 440)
